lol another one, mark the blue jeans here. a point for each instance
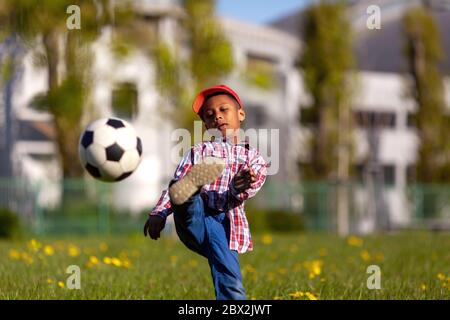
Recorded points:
(207, 233)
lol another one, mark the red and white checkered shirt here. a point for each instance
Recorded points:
(225, 198)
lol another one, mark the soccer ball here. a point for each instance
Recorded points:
(110, 149)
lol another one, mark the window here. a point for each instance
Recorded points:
(152, 23)
(374, 119)
(308, 116)
(359, 173)
(389, 175)
(411, 173)
(255, 117)
(411, 120)
(261, 71)
(124, 100)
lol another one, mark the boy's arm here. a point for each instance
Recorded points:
(163, 207)
(259, 167)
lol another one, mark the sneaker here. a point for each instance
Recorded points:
(202, 173)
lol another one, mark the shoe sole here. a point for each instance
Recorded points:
(203, 173)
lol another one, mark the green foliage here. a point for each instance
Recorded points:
(124, 100)
(9, 224)
(326, 62)
(260, 75)
(7, 69)
(265, 220)
(211, 53)
(42, 24)
(209, 59)
(424, 52)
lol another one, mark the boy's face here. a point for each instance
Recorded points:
(223, 113)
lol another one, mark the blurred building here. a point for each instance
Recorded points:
(384, 112)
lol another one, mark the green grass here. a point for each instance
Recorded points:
(413, 266)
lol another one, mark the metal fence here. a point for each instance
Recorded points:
(370, 208)
(86, 206)
(72, 206)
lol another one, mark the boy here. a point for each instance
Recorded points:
(208, 191)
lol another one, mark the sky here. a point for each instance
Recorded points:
(258, 11)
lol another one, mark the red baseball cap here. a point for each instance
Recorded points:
(203, 95)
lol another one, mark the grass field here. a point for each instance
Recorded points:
(282, 266)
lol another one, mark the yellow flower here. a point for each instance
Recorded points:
(173, 259)
(267, 239)
(73, 250)
(365, 255)
(441, 276)
(423, 287)
(107, 260)
(26, 258)
(126, 263)
(50, 281)
(14, 254)
(103, 247)
(116, 262)
(354, 241)
(314, 268)
(48, 250)
(311, 296)
(296, 294)
(61, 284)
(93, 260)
(193, 263)
(34, 245)
(277, 298)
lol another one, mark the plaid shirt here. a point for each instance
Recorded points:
(225, 198)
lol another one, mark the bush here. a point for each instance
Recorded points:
(9, 224)
(273, 220)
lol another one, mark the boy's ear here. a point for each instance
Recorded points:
(241, 115)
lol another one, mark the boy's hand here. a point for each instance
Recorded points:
(153, 226)
(243, 179)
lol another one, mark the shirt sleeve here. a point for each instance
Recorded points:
(259, 166)
(163, 207)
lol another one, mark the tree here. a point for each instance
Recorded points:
(326, 64)
(210, 58)
(43, 24)
(424, 53)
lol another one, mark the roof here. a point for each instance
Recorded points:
(378, 50)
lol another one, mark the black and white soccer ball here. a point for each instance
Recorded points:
(110, 149)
